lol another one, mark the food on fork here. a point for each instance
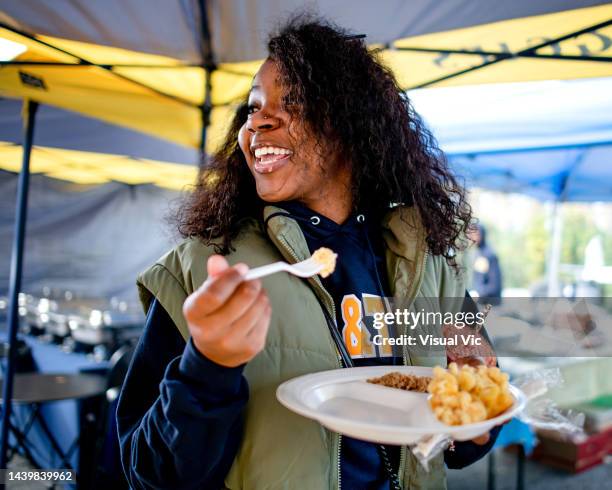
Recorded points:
(466, 395)
(407, 382)
(327, 258)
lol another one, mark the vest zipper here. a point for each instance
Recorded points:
(326, 295)
(412, 295)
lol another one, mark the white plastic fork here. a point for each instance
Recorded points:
(305, 268)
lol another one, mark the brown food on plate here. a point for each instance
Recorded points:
(466, 395)
(401, 381)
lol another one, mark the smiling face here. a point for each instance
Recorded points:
(284, 157)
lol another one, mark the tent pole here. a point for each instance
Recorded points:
(554, 258)
(29, 116)
(209, 68)
(206, 111)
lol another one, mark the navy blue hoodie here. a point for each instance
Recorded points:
(180, 429)
(360, 275)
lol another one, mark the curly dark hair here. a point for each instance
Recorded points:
(340, 88)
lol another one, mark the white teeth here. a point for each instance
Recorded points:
(271, 150)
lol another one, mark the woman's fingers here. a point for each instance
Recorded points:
(224, 311)
(239, 332)
(215, 265)
(238, 343)
(251, 316)
(258, 334)
(238, 304)
(213, 294)
(481, 440)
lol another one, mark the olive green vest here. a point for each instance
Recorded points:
(281, 449)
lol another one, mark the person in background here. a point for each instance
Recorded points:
(486, 275)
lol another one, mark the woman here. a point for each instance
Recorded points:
(327, 151)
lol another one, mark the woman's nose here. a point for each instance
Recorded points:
(262, 121)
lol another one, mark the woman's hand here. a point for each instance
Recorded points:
(482, 440)
(228, 317)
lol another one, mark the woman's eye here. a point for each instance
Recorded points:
(251, 109)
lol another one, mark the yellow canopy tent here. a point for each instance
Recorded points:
(84, 167)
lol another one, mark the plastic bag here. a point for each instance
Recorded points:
(429, 446)
(539, 412)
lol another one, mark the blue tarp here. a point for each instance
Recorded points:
(550, 140)
(568, 174)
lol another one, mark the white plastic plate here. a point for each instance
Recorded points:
(343, 401)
